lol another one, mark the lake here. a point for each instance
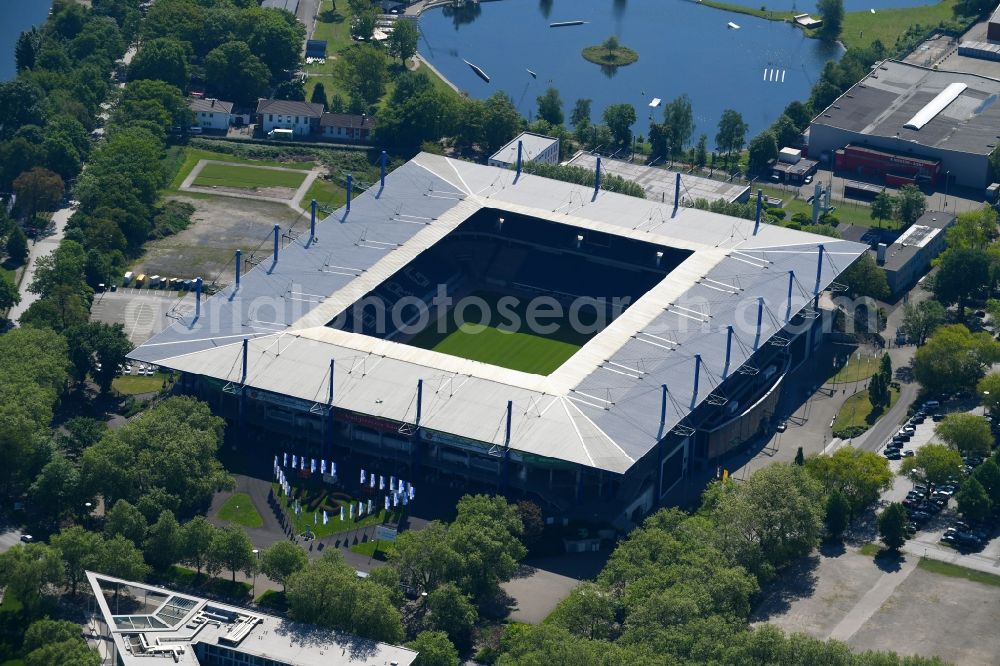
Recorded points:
(15, 17)
(682, 47)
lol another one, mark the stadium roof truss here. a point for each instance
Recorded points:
(601, 408)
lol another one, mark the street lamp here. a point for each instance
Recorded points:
(986, 395)
(947, 177)
(253, 587)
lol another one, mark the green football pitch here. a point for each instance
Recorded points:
(517, 350)
(246, 177)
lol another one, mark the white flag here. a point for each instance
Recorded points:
(361, 509)
(395, 499)
(406, 499)
(322, 467)
(315, 517)
(411, 491)
(326, 518)
(381, 482)
(312, 466)
(392, 483)
(386, 502)
(303, 461)
(372, 479)
(362, 477)
(371, 506)
(341, 512)
(333, 468)
(285, 463)
(352, 511)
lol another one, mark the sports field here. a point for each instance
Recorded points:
(246, 177)
(488, 343)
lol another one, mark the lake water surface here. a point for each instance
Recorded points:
(683, 48)
(16, 16)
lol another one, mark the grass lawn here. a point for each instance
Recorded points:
(858, 367)
(130, 385)
(871, 549)
(857, 411)
(239, 509)
(848, 212)
(328, 195)
(314, 496)
(8, 274)
(189, 157)
(955, 571)
(518, 350)
(759, 12)
(246, 177)
(385, 549)
(887, 25)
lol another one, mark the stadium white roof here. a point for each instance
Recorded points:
(600, 408)
(153, 625)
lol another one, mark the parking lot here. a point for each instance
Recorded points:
(143, 312)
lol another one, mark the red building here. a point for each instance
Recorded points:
(868, 161)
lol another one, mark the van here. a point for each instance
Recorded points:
(127, 278)
(139, 281)
(931, 405)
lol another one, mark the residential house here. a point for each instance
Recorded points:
(347, 127)
(302, 118)
(211, 114)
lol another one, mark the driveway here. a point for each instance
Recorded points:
(39, 248)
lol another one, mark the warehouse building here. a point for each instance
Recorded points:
(688, 365)
(906, 123)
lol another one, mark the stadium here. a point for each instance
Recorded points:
(507, 332)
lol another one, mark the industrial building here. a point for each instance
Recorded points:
(717, 311)
(791, 167)
(906, 123)
(146, 625)
(660, 184)
(533, 148)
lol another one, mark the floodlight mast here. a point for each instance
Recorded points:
(506, 449)
(239, 261)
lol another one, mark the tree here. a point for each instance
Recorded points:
(163, 59)
(580, 117)
(198, 535)
(988, 474)
(26, 50)
(78, 550)
(37, 190)
(164, 541)
(762, 151)
(883, 207)
(973, 502)
(550, 107)
(588, 611)
(866, 278)
(773, 517)
(403, 40)
(619, 119)
(910, 204)
(732, 133)
(120, 558)
(701, 151)
(486, 535)
(934, 464)
(30, 572)
(231, 549)
(319, 95)
(56, 490)
(425, 558)
(293, 89)
(282, 560)
(434, 649)
(678, 120)
(21, 103)
(453, 613)
(533, 521)
(9, 295)
(892, 526)
(858, 476)
(97, 349)
(276, 39)
(234, 73)
(611, 44)
(832, 13)
(954, 359)
(962, 274)
(17, 245)
(126, 520)
(838, 515)
(57, 642)
(364, 72)
(500, 121)
(329, 593)
(973, 230)
(922, 319)
(969, 433)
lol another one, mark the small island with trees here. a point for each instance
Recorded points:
(610, 53)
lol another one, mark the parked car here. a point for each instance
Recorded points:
(782, 426)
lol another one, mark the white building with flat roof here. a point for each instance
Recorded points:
(534, 148)
(143, 625)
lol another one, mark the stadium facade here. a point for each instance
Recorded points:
(702, 315)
